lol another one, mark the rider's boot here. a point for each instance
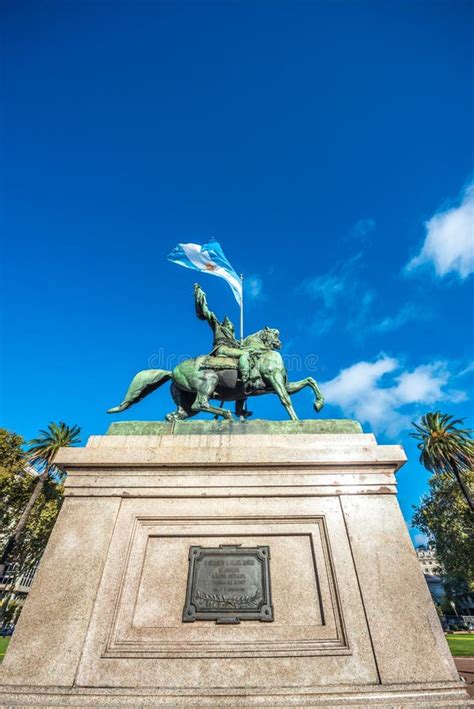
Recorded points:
(244, 369)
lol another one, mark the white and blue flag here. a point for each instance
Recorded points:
(208, 258)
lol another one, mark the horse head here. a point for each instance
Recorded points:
(270, 337)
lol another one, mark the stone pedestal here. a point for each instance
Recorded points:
(354, 624)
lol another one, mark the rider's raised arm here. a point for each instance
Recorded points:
(202, 310)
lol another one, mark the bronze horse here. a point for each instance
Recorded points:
(196, 381)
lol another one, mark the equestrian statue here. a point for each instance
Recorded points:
(233, 371)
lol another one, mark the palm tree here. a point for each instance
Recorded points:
(446, 448)
(41, 454)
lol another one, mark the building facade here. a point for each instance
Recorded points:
(463, 606)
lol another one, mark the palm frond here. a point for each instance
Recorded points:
(446, 448)
(43, 449)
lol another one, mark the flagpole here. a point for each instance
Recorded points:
(242, 310)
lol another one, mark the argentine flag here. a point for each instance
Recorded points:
(208, 258)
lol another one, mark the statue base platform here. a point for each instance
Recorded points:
(234, 428)
(353, 621)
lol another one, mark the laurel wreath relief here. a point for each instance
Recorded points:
(221, 600)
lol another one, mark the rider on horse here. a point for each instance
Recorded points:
(196, 382)
(225, 343)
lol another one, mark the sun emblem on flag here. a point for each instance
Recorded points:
(210, 266)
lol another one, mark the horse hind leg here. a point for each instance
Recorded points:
(183, 401)
(205, 390)
(180, 414)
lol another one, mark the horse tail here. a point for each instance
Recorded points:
(141, 385)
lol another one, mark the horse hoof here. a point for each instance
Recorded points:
(118, 409)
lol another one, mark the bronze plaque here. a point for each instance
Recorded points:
(228, 584)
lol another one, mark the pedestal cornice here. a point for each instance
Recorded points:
(296, 463)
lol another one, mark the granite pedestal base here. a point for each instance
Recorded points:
(353, 625)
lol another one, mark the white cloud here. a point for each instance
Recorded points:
(328, 288)
(467, 370)
(360, 232)
(366, 391)
(321, 325)
(449, 242)
(334, 285)
(353, 382)
(406, 314)
(363, 227)
(342, 297)
(424, 384)
(253, 286)
(360, 309)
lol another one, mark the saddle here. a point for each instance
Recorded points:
(211, 362)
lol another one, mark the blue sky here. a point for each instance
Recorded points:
(327, 146)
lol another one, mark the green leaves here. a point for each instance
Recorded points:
(39, 526)
(14, 493)
(29, 501)
(443, 444)
(12, 456)
(15, 485)
(445, 514)
(445, 448)
(42, 450)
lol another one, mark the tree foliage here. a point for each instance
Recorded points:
(42, 450)
(15, 485)
(446, 448)
(12, 456)
(445, 517)
(41, 453)
(30, 500)
(16, 488)
(34, 537)
(445, 514)
(443, 444)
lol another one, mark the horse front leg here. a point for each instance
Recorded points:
(277, 381)
(295, 387)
